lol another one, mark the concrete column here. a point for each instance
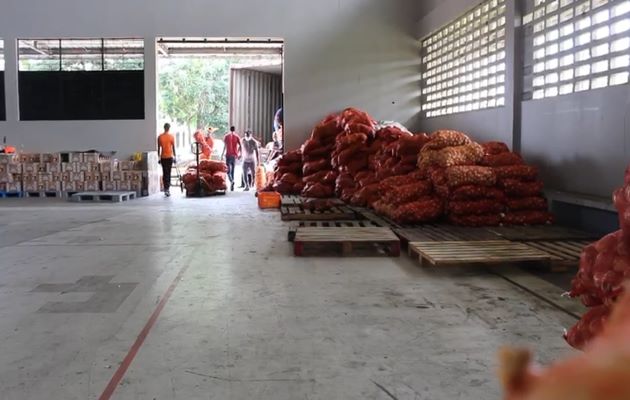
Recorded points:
(11, 83)
(150, 86)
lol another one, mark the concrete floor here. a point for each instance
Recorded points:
(247, 320)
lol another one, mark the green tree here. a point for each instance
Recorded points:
(195, 92)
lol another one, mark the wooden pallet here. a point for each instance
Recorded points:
(483, 252)
(291, 200)
(103, 197)
(299, 213)
(328, 224)
(444, 233)
(347, 239)
(44, 194)
(541, 232)
(564, 254)
(206, 194)
(6, 195)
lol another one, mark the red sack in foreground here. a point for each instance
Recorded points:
(326, 130)
(295, 168)
(516, 188)
(621, 198)
(475, 220)
(313, 167)
(290, 179)
(408, 193)
(424, 210)
(468, 154)
(472, 192)
(475, 207)
(316, 177)
(396, 181)
(590, 326)
(318, 190)
(521, 172)
(527, 203)
(366, 195)
(493, 148)
(527, 218)
(291, 157)
(470, 175)
(410, 145)
(441, 139)
(501, 160)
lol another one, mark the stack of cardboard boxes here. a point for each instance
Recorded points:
(10, 173)
(67, 173)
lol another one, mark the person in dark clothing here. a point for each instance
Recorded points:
(166, 153)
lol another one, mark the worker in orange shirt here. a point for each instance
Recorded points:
(166, 153)
(203, 146)
(210, 140)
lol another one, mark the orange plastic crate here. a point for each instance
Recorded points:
(267, 200)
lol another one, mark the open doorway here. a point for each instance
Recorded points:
(207, 85)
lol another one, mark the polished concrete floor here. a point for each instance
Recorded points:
(202, 299)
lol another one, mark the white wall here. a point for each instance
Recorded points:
(338, 53)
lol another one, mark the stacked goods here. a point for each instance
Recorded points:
(452, 163)
(211, 177)
(601, 372)
(525, 204)
(604, 266)
(287, 175)
(10, 174)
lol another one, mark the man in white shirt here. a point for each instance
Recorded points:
(251, 158)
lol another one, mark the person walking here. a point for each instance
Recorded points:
(166, 153)
(250, 159)
(231, 151)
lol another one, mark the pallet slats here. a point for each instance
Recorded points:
(486, 252)
(103, 197)
(347, 237)
(299, 213)
(542, 232)
(328, 224)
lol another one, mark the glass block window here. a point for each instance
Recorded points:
(463, 63)
(583, 43)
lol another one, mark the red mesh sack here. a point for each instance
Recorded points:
(345, 181)
(396, 181)
(212, 166)
(527, 218)
(368, 180)
(408, 193)
(521, 172)
(390, 134)
(316, 177)
(475, 207)
(589, 327)
(468, 154)
(312, 167)
(441, 139)
(311, 145)
(290, 179)
(352, 115)
(527, 203)
(501, 160)
(330, 178)
(298, 187)
(475, 220)
(354, 151)
(366, 195)
(470, 175)
(419, 175)
(410, 145)
(291, 157)
(424, 210)
(284, 188)
(317, 190)
(472, 192)
(494, 148)
(403, 169)
(360, 128)
(326, 130)
(516, 188)
(345, 141)
(318, 204)
(621, 199)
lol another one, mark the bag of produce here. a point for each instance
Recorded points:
(493, 148)
(527, 203)
(408, 193)
(317, 190)
(475, 207)
(468, 154)
(472, 192)
(520, 172)
(475, 220)
(470, 175)
(517, 188)
(312, 167)
(441, 139)
(590, 326)
(502, 160)
(420, 211)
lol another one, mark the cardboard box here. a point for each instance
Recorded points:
(65, 176)
(81, 167)
(13, 187)
(51, 158)
(52, 186)
(117, 175)
(4, 169)
(91, 186)
(90, 157)
(30, 158)
(44, 177)
(9, 159)
(92, 176)
(30, 168)
(42, 168)
(67, 167)
(14, 168)
(75, 157)
(29, 178)
(31, 186)
(127, 165)
(125, 186)
(136, 186)
(77, 176)
(109, 186)
(52, 167)
(133, 176)
(73, 186)
(108, 166)
(6, 177)
(57, 176)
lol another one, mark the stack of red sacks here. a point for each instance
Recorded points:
(600, 373)
(211, 177)
(409, 199)
(318, 173)
(525, 204)
(287, 176)
(604, 266)
(352, 151)
(450, 160)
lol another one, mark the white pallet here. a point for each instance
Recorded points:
(103, 197)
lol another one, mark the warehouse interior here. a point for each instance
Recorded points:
(124, 293)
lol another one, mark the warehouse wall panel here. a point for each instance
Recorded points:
(338, 53)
